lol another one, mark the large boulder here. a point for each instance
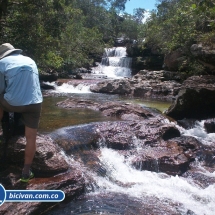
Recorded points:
(172, 157)
(128, 134)
(121, 87)
(196, 99)
(210, 125)
(71, 183)
(52, 172)
(49, 76)
(47, 161)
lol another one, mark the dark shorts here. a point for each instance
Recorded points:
(30, 113)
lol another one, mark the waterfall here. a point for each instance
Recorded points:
(115, 63)
(143, 184)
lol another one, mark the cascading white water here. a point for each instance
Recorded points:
(114, 64)
(183, 194)
(198, 131)
(69, 88)
(143, 184)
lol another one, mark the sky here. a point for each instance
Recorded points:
(146, 4)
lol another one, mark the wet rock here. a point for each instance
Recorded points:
(78, 76)
(49, 76)
(71, 183)
(121, 87)
(187, 123)
(45, 86)
(207, 156)
(102, 203)
(83, 70)
(116, 135)
(48, 160)
(168, 132)
(156, 89)
(77, 138)
(172, 157)
(126, 111)
(202, 179)
(76, 103)
(153, 143)
(122, 110)
(210, 125)
(145, 84)
(52, 172)
(196, 99)
(162, 75)
(128, 134)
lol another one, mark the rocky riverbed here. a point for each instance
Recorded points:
(147, 140)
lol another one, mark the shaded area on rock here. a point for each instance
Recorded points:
(210, 125)
(196, 99)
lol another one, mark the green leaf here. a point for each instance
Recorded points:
(193, 6)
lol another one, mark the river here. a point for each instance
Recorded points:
(120, 189)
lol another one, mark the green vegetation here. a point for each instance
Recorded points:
(60, 34)
(63, 35)
(176, 25)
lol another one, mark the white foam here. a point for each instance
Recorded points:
(141, 184)
(199, 132)
(68, 88)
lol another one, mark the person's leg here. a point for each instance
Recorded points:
(6, 134)
(1, 113)
(30, 149)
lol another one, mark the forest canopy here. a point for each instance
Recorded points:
(67, 34)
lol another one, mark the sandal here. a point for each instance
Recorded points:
(26, 177)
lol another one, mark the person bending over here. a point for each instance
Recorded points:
(20, 92)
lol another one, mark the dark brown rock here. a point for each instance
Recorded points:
(172, 157)
(47, 160)
(71, 183)
(126, 134)
(49, 76)
(45, 86)
(196, 99)
(210, 125)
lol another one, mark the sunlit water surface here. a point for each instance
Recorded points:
(54, 117)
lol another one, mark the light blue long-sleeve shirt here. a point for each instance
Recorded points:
(19, 80)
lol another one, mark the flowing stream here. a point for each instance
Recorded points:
(117, 188)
